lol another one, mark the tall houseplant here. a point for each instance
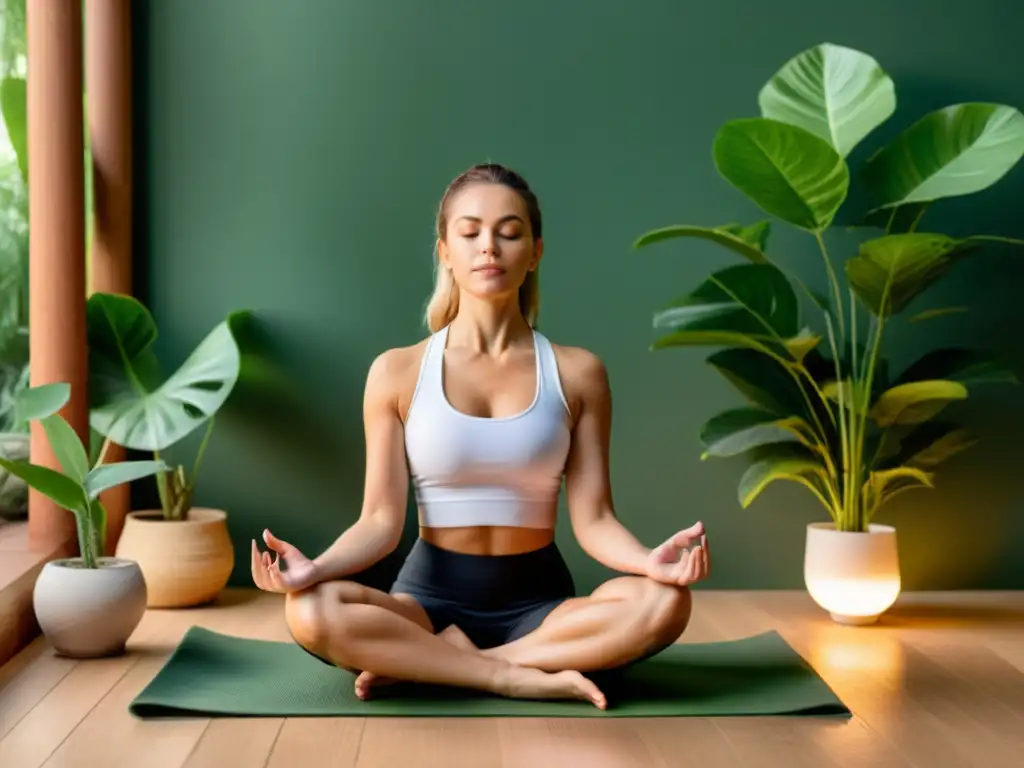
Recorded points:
(185, 551)
(822, 407)
(87, 605)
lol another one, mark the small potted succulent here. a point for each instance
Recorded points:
(87, 606)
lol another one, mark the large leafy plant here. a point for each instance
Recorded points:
(822, 407)
(132, 403)
(77, 488)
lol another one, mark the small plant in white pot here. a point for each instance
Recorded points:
(836, 420)
(86, 606)
(185, 551)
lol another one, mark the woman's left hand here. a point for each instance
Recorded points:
(677, 561)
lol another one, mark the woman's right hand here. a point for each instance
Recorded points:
(300, 574)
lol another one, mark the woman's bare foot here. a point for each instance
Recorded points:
(368, 680)
(531, 683)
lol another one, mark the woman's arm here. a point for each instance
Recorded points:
(378, 530)
(588, 489)
(588, 483)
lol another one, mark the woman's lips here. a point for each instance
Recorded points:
(490, 271)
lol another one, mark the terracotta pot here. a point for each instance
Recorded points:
(185, 562)
(854, 576)
(89, 612)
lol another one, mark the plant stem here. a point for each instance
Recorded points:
(103, 450)
(843, 432)
(201, 451)
(833, 281)
(997, 239)
(917, 218)
(868, 382)
(161, 489)
(845, 413)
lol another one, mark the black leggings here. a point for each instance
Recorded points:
(493, 599)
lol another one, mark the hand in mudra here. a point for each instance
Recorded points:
(681, 560)
(300, 572)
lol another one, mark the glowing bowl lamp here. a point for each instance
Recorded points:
(854, 576)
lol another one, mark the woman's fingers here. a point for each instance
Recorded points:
(257, 566)
(266, 572)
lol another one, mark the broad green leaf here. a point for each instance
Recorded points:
(929, 444)
(43, 400)
(761, 380)
(931, 314)
(132, 403)
(14, 105)
(958, 150)
(738, 430)
(110, 475)
(753, 300)
(966, 366)
(916, 401)
(782, 462)
(52, 484)
(711, 339)
(748, 242)
(905, 264)
(787, 171)
(836, 93)
(66, 446)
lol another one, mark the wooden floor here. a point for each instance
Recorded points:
(939, 683)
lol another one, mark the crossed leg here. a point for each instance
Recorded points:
(366, 630)
(623, 620)
(384, 637)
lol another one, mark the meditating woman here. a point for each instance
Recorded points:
(486, 416)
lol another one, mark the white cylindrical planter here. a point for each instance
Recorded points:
(854, 576)
(89, 612)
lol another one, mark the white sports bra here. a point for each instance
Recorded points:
(472, 470)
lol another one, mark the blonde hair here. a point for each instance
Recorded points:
(443, 305)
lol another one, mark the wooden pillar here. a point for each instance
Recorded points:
(57, 343)
(108, 92)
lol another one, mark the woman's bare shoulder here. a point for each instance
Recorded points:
(583, 375)
(393, 374)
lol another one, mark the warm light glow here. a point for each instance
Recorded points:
(853, 576)
(855, 601)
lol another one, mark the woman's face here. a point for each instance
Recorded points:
(489, 245)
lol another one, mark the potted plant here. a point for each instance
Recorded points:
(89, 605)
(185, 551)
(822, 407)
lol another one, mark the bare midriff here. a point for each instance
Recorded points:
(488, 540)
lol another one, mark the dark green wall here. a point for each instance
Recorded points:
(291, 155)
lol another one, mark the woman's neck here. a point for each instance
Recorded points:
(489, 327)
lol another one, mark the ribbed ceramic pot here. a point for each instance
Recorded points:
(185, 562)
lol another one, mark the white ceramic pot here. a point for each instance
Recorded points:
(854, 576)
(89, 612)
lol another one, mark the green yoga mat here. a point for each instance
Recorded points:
(213, 675)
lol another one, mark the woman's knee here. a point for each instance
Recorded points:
(312, 615)
(668, 608)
